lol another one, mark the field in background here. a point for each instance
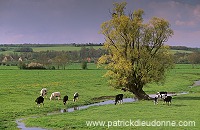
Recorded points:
(180, 51)
(10, 49)
(77, 47)
(19, 89)
(62, 48)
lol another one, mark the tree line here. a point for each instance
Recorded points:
(183, 48)
(187, 58)
(51, 59)
(59, 59)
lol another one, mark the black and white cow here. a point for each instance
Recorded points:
(168, 100)
(162, 94)
(39, 100)
(159, 95)
(76, 95)
(156, 100)
(65, 99)
(43, 92)
(119, 98)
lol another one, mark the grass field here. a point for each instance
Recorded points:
(69, 48)
(180, 51)
(19, 89)
(62, 48)
(184, 108)
(54, 48)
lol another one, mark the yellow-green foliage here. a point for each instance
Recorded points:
(137, 54)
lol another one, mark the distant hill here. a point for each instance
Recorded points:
(184, 48)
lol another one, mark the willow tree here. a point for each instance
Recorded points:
(137, 54)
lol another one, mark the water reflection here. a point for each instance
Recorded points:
(95, 104)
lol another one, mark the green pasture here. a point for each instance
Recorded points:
(180, 51)
(59, 48)
(71, 48)
(54, 48)
(19, 89)
(184, 108)
(62, 48)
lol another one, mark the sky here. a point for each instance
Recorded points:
(79, 21)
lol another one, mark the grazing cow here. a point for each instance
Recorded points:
(159, 95)
(119, 98)
(43, 92)
(168, 100)
(75, 96)
(39, 100)
(65, 99)
(162, 94)
(156, 100)
(54, 95)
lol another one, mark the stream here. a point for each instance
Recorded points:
(95, 104)
(196, 83)
(22, 126)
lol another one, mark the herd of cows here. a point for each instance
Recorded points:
(118, 98)
(43, 93)
(159, 95)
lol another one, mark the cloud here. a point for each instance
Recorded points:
(181, 14)
(197, 12)
(65, 21)
(185, 23)
(184, 38)
(192, 19)
(184, 17)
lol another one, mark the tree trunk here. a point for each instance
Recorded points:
(141, 95)
(138, 92)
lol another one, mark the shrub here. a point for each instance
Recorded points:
(23, 49)
(84, 65)
(22, 65)
(31, 65)
(34, 65)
